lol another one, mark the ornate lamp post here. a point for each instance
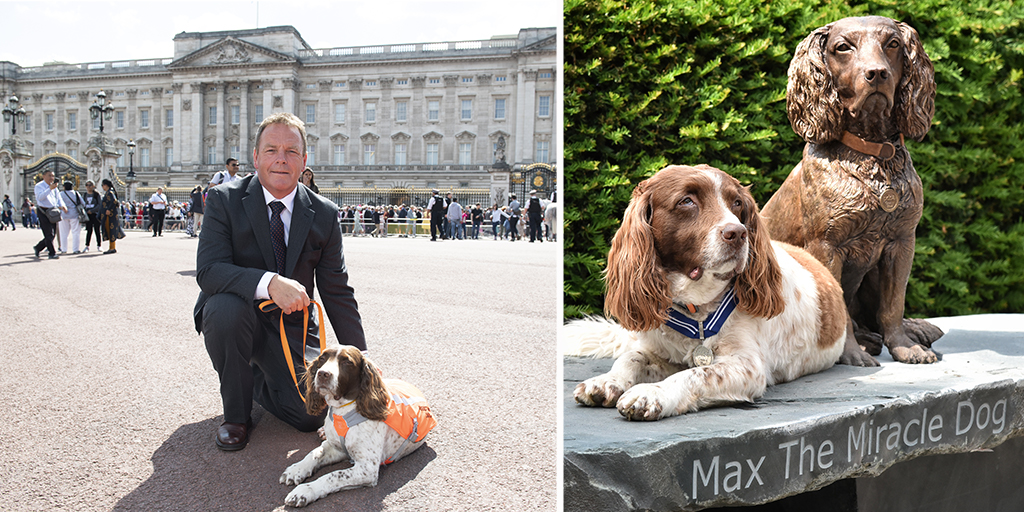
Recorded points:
(14, 114)
(130, 178)
(101, 109)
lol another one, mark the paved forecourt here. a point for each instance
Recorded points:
(111, 402)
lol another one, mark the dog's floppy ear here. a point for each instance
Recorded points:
(759, 286)
(372, 401)
(812, 101)
(915, 96)
(638, 289)
(314, 401)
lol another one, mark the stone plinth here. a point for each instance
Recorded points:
(801, 436)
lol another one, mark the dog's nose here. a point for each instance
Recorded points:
(323, 376)
(876, 76)
(734, 233)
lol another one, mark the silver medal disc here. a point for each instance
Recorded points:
(702, 356)
(889, 200)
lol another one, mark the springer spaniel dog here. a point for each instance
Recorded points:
(856, 88)
(372, 421)
(709, 310)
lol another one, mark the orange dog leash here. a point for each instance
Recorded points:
(305, 330)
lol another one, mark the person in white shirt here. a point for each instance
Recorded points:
(69, 219)
(157, 210)
(46, 199)
(229, 174)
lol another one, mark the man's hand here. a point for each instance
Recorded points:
(288, 294)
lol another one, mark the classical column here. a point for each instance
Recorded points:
(290, 98)
(385, 121)
(450, 119)
(268, 98)
(196, 151)
(179, 131)
(60, 133)
(222, 120)
(324, 121)
(244, 152)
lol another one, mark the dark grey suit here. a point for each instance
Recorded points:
(234, 252)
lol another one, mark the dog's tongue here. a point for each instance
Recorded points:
(696, 273)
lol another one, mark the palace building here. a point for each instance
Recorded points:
(450, 115)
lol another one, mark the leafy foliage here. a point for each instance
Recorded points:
(648, 84)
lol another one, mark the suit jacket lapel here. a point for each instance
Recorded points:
(302, 220)
(256, 210)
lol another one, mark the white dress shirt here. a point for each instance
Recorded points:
(47, 197)
(286, 219)
(158, 201)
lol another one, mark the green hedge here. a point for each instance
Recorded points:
(649, 84)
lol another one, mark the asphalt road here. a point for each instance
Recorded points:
(111, 402)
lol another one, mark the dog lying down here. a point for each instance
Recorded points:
(709, 310)
(371, 421)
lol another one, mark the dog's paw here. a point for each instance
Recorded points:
(301, 496)
(602, 390)
(857, 357)
(294, 475)
(921, 332)
(914, 354)
(644, 402)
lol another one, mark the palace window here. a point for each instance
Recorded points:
(72, 121)
(371, 112)
(339, 113)
(433, 110)
(144, 157)
(257, 113)
(432, 153)
(236, 114)
(369, 151)
(544, 106)
(400, 154)
(499, 108)
(143, 118)
(467, 110)
(465, 153)
(168, 156)
(339, 154)
(213, 116)
(169, 118)
(310, 113)
(401, 111)
(542, 151)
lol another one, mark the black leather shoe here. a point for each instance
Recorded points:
(37, 252)
(233, 436)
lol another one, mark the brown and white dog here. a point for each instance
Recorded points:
(690, 240)
(361, 403)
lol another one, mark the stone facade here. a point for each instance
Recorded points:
(401, 115)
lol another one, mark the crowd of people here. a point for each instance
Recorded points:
(104, 216)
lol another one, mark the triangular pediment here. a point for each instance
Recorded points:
(546, 44)
(231, 51)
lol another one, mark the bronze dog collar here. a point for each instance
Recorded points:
(885, 150)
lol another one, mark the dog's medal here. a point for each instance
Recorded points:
(702, 356)
(889, 200)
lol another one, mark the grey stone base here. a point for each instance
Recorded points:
(802, 436)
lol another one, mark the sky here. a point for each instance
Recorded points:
(88, 31)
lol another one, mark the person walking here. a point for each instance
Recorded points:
(536, 214)
(477, 217)
(196, 208)
(513, 219)
(8, 213)
(454, 219)
(47, 198)
(69, 222)
(158, 209)
(438, 208)
(92, 208)
(109, 208)
(26, 213)
(497, 220)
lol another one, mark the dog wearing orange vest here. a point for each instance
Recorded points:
(371, 421)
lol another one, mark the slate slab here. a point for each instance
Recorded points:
(841, 423)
